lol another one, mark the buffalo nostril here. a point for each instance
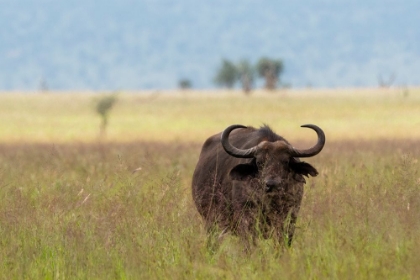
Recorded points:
(270, 185)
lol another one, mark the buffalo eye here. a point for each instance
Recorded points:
(285, 162)
(243, 172)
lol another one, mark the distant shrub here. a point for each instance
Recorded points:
(270, 70)
(184, 84)
(230, 73)
(103, 107)
(227, 74)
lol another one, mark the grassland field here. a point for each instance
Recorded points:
(74, 205)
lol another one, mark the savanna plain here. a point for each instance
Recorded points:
(76, 204)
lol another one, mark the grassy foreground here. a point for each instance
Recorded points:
(76, 210)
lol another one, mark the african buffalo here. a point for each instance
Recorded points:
(250, 181)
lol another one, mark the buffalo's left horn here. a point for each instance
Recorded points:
(233, 151)
(315, 149)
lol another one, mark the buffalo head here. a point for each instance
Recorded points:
(273, 162)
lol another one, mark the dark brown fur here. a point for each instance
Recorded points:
(252, 197)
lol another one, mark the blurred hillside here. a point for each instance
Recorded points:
(152, 44)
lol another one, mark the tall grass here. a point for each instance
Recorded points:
(79, 211)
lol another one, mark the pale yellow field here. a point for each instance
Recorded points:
(195, 115)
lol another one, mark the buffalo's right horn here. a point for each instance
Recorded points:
(315, 149)
(233, 151)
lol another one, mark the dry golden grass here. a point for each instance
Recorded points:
(171, 116)
(79, 211)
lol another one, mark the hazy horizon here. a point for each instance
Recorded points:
(145, 45)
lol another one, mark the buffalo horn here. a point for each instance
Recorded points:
(315, 149)
(233, 151)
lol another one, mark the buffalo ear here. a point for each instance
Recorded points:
(303, 168)
(242, 172)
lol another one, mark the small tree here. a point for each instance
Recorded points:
(227, 74)
(103, 107)
(270, 70)
(246, 75)
(184, 84)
